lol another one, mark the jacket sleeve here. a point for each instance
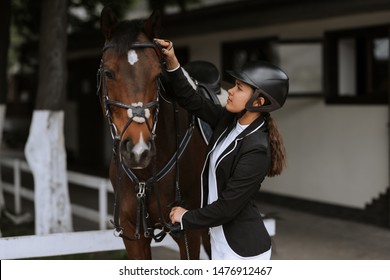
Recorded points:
(193, 102)
(240, 188)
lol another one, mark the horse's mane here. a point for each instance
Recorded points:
(125, 34)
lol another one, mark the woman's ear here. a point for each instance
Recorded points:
(262, 101)
(259, 102)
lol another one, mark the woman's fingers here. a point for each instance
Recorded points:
(171, 215)
(163, 43)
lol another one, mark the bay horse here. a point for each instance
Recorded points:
(153, 139)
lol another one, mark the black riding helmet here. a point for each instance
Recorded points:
(267, 80)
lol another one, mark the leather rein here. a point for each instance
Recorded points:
(143, 189)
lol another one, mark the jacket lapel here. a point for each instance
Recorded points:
(259, 123)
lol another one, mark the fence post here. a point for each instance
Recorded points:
(17, 186)
(102, 205)
(2, 199)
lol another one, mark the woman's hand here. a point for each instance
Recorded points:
(169, 54)
(176, 214)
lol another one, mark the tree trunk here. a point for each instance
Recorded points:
(52, 56)
(45, 148)
(2, 118)
(46, 156)
(5, 25)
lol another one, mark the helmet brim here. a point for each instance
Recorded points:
(241, 77)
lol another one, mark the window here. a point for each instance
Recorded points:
(302, 62)
(235, 54)
(357, 65)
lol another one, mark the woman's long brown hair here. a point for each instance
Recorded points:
(278, 152)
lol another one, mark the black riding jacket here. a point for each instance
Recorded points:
(243, 167)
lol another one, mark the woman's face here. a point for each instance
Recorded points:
(238, 96)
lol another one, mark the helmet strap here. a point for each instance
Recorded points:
(264, 108)
(254, 96)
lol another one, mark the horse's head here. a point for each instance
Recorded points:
(129, 85)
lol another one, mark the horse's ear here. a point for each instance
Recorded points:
(153, 25)
(108, 22)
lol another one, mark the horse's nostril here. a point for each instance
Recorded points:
(128, 145)
(144, 154)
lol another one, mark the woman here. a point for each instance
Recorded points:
(244, 148)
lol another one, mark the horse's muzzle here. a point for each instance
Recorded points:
(135, 156)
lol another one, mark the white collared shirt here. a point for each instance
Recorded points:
(219, 149)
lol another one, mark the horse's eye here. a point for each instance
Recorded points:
(109, 74)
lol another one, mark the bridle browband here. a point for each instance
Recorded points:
(143, 188)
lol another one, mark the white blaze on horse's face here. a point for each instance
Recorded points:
(132, 57)
(140, 148)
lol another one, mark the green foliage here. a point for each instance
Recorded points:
(161, 4)
(83, 15)
(83, 18)
(26, 16)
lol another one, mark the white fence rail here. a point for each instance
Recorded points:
(34, 246)
(102, 185)
(58, 244)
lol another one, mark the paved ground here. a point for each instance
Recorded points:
(302, 236)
